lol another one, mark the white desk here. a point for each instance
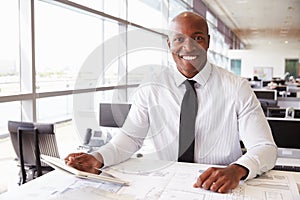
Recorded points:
(153, 180)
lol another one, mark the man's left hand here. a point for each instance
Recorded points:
(221, 180)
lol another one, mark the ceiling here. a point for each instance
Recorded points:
(261, 23)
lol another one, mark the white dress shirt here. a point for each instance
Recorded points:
(228, 111)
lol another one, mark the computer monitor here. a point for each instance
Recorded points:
(113, 114)
(281, 112)
(287, 136)
(267, 99)
(266, 94)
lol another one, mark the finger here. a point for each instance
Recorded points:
(74, 159)
(225, 188)
(84, 158)
(208, 183)
(216, 180)
(202, 178)
(78, 163)
(85, 162)
(87, 168)
(198, 183)
(228, 185)
(72, 155)
(67, 157)
(72, 162)
(215, 186)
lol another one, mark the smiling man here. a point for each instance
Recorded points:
(188, 42)
(193, 112)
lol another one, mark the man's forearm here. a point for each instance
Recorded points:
(258, 159)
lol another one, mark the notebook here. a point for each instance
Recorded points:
(59, 164)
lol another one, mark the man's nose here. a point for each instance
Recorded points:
(189, 44)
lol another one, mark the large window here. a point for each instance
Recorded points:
(148, 13)
(63, 43)
(9, 48)
(116, 8)
(9, 111)
(218, 48)
(60, 55)
(177, 6)
(235, 66)
(53, 109)
(147, 53)
(60, 58)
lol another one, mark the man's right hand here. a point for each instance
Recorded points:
(84, 162)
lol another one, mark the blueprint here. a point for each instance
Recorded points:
(161, 180)
(154, 180)
(165, 181)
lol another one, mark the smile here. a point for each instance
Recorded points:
(189, 58)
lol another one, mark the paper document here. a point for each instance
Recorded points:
(59, 164)
(174, 180)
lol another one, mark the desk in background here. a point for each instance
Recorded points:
(285, 102)
(151, 179)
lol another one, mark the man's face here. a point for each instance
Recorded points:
(188, 42)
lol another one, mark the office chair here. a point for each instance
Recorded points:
(29, 140)
(267, 103)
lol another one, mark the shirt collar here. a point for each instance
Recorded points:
(201, 78)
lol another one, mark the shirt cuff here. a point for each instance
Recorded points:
(252, 173)
(244, 177)
(107, 153)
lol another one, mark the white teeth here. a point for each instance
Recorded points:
(189, 57)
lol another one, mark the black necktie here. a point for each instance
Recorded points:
(189, 107)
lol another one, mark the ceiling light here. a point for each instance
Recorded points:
(286, 42)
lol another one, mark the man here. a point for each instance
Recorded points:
(226, 111)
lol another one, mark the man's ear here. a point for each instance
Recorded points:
(208, 41)
(168, 41)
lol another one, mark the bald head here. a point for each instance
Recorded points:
(188, 17)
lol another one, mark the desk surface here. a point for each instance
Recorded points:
(154, 180)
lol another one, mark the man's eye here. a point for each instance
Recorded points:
(198, 38)
(178, 39)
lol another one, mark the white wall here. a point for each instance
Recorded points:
(264, 57)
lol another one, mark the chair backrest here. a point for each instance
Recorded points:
(46, 140)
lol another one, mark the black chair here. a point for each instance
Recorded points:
(268, 103)
(30, 140)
